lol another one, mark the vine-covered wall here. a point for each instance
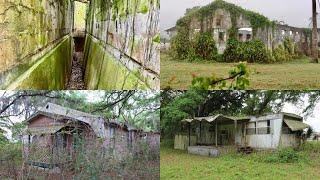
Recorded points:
(27, 29)
(232, 17)
(127, 34)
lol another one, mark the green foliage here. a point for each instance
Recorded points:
(286, 51)
(280, 54)
(250, 51)
(176, 106)
(285, 155)
(157, 38)
(201, 47)
(238, 78)
(180, 44)
(204, 46)
(311, 148)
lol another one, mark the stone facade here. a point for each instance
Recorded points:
(221, 21)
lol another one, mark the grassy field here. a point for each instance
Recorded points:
(177, 164)
(296, 74)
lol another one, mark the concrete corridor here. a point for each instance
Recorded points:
(76, 78)
(84, 44)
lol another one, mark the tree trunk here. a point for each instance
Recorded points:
(314, 32)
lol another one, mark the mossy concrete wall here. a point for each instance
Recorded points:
(27, 29)
(50, 71)
(123, 43)
(104, 71)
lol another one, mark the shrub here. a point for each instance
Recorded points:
(251, 51)
(180, 45)
(280, 54)
(255, 51)
(232, 51)
(205, 47)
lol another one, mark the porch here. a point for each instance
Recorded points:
(210, 136)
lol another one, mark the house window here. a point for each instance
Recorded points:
(221, 36)
(29, 139)
(263, 127)
(240, 36)
(219, 20)
(248, 37)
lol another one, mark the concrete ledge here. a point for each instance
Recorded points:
(204, 151)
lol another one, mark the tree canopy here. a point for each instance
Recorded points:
(138, 108)
(177, 105)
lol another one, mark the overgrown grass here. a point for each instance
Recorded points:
(285, 164)
(10, 160)
(295, 74)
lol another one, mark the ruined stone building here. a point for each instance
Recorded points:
(225, 20)
(121, 48)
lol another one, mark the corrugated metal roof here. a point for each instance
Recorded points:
(210, 119)
(296, 125)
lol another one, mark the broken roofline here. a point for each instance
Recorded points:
(220, 4)
(224, 118)
(293, 125)
(59, 112)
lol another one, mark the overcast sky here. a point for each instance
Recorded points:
(293, 12)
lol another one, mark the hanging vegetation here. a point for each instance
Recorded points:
(182, 43)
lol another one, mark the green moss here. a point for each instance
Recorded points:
(105, 72)
(49, 72)
(94, 61)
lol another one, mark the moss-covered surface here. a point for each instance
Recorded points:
(50, 71)
(103, 71)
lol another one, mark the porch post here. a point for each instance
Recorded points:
(189, 133)
(235, 130)
(216, 136)
(200, 132)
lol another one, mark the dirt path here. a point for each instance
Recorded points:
(76, 79)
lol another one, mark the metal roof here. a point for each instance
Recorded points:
(296, 125)
(292, 115)
(210, 119)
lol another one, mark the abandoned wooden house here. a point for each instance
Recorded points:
(55, 133)
(225, 20)
(203, 135)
